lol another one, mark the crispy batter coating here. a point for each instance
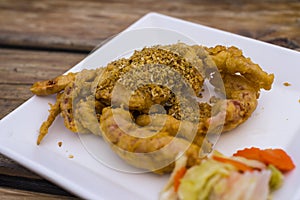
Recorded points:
(149, 69)
(85, 110)
(66, 106)
(231, 61)
(53, 112)
(87, 115)
(175, 127)
(79, 88)
(44, 88)
(241, 100)
(77, 91)
(144, 147)
(241, 81)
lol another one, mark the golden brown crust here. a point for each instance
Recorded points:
(44, 88)
(231, 60)
(146, 76)
(53, 112)
(157, 150)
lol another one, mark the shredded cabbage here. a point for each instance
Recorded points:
(199, 180)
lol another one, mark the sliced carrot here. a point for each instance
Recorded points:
(239, 165)
(179, 174)
(252, 153)
(277, 157)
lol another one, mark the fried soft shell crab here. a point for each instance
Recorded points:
(153, 100)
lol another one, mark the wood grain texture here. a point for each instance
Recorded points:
(13, 194)
(25, 67)
(11, 168)
(81, 25)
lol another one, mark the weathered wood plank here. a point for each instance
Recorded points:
(81, 25)
(25, 67)
(13, 194)
(15, 92)
(28, 184)
(11, 168)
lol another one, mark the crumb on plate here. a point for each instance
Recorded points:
(287, 84)
(59, 143)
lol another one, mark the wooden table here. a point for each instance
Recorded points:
(42, 39)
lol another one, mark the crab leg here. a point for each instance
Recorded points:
(44, 88)
(53, 112)
(231, 60)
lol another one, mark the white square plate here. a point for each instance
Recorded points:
(275, 123)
